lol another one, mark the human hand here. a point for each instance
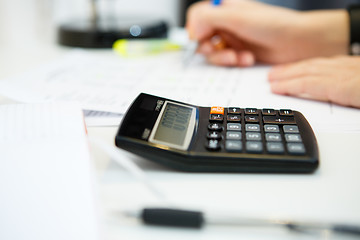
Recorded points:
(335, 79)
(256, 31)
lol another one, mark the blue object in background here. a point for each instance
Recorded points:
(216, 2)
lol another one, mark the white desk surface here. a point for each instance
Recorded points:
(331, 193)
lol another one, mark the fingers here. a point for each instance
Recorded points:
(197, 24)
(312, 87)
(322, 88)
(302, 79)
(318, 79)
(231, 58)
(211, 26)
(215, 43)
(221, 50)
(203, 18)
(315, 66)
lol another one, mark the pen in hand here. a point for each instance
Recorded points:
(194, 44)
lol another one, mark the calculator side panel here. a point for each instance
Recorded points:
(183, 161)
(309, 139)
(141, 115)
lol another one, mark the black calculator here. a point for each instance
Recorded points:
(218, 139)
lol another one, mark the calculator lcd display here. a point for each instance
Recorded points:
(175, 126)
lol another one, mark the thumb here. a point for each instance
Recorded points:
(203, 19)
(232, 58)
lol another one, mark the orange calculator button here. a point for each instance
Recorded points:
(217, 110)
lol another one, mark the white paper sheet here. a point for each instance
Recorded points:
(99, 118)
(46, 176)
(107, 82)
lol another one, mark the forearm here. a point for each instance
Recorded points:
(327, 32)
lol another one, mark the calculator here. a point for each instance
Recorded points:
(192, 138)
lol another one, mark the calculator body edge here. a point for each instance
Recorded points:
(138, 125)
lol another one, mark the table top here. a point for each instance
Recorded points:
(329, 194)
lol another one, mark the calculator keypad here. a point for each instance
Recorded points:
(254, 131)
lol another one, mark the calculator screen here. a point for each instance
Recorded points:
(174, 126)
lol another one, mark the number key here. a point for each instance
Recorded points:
(215, 127)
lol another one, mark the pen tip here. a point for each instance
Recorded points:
(130, 213)
(190, 52)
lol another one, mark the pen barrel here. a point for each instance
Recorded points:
(347, 229)
(173, 217)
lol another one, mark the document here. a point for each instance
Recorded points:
(109, 83)
(99, 118)
(47, 184)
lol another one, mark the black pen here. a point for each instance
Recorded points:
(171, 217)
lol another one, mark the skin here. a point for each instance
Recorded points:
(301, 45)
(335, 79)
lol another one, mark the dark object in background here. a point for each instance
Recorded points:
(185, 5)
(103, 31)
(103, 34)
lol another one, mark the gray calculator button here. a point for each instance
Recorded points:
(251, 111)
(268, 111)
(252, 118)
(215, 127)
(279, 119)
(293, 137)
(231, 145)
(273, 137)
(255, 147)
(271, 128)
(275, 147)
(286, 112)
(232, 135)
(213, 135)
(296, 148)
(216, 117)
(233, 118)
(253, 136)
(291, 129)
(252, 127)
(234, 127)
(233, 110)
(213, 144)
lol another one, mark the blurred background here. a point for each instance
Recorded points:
(28, 28)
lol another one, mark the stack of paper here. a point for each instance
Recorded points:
(46, 177)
